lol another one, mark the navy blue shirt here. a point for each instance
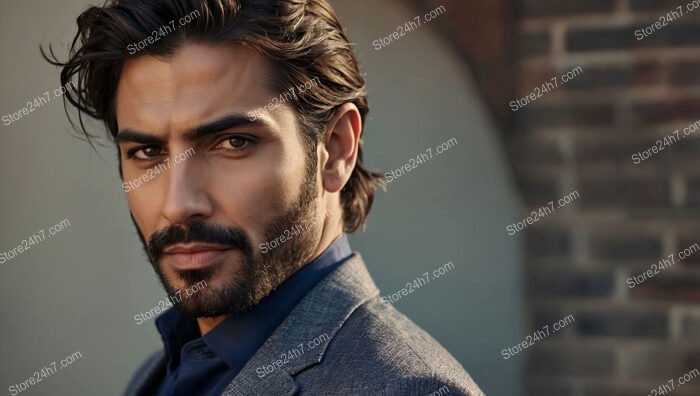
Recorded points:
(205, 365)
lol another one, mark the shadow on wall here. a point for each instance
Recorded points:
(439, 230)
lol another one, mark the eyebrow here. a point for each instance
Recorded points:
(221, 124)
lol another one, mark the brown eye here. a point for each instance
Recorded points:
(237, 142)
(148, 152)
(234, 143)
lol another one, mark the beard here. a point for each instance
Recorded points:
(256, 275)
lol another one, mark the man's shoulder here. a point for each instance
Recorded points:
(367, 347)
(379, 350)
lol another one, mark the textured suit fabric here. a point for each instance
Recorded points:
(340, 340)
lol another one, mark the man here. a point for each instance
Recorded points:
(239, 128)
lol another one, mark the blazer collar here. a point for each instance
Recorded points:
(317, 318)
(322, 311)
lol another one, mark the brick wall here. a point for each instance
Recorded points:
(581, 137)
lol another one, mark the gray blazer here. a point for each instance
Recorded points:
(340, 340)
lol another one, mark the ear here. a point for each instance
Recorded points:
(338, 148)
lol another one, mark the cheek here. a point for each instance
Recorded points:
(144, 206)
(257, 194)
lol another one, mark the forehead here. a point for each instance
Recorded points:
(198, 82)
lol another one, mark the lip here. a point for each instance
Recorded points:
(194, 256)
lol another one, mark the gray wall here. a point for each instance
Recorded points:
(79, 289)
(452, 208)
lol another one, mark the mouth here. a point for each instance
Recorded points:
(194, 256)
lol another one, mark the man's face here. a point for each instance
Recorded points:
(206, 185)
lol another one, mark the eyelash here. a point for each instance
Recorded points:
(248, 140)
(131, 154)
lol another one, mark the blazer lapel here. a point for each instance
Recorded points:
(149, 376)
(302, 338)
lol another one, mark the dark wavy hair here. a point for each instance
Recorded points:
(302, 39)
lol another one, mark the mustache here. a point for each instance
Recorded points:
(197, 232)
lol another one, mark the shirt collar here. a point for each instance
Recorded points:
(237, 338)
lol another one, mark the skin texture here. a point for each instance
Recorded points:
(253, 186)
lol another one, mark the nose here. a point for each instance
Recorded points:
(186, 196)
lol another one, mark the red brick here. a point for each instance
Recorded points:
(533, 76)
(624, 192)
(545, 360)
(668, 286)
(690, 327)
(685, 73)
(662, 363)
(686, 242)
(535, 115)
(529, 44)
(621, 323)
(546, 8)
(615, 247)
(683, 109)
(662, 6)
(571, 283)
(542, 242)
(537, 192)
(616, 77)
(623, 38)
